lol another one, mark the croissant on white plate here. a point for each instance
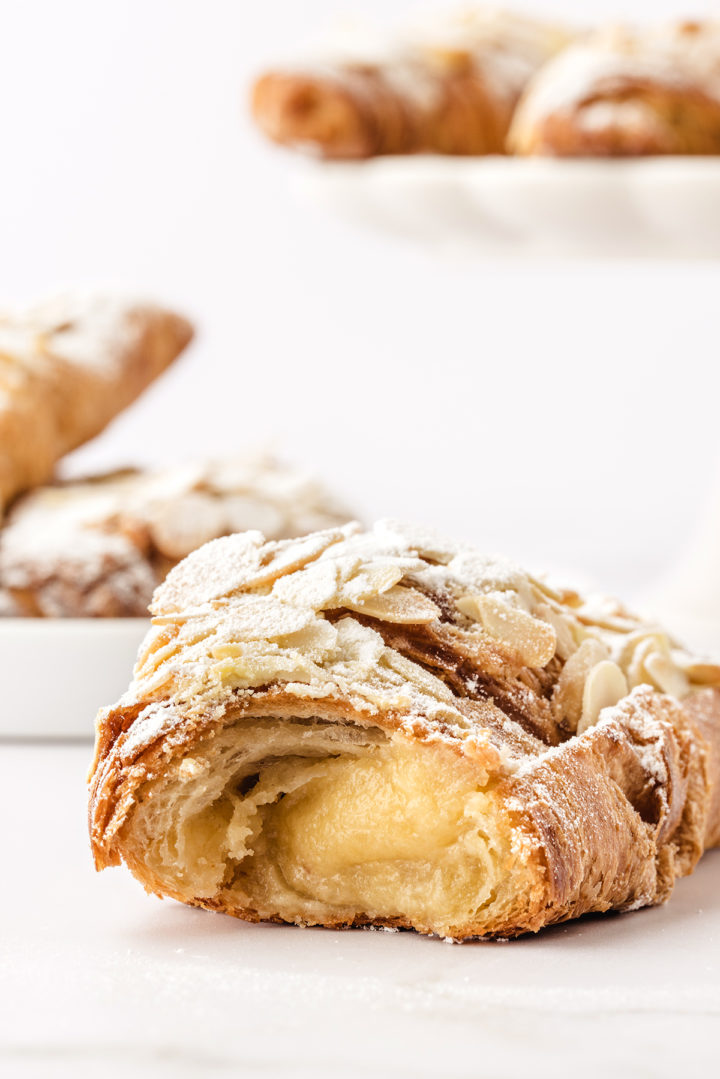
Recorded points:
(387, 728)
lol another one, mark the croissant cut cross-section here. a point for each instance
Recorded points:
(379, 728)
(312, 821)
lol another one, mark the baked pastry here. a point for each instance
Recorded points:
(625, 92)
(386, 728)
(99, 547)
(449, 88)
(67, 367)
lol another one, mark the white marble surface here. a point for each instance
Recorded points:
(98, 979)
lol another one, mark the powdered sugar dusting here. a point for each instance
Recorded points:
(503, 49)
(245, 613)
(672, 56)
(506, 47)
(84, 330)
(151, 724)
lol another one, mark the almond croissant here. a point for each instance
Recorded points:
(387, 728)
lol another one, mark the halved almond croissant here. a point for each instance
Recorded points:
(387, 728)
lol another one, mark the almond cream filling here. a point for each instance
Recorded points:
(390, 835)
(334, 823)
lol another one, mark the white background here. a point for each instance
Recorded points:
(562, 412)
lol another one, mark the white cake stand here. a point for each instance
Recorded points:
(500, 206)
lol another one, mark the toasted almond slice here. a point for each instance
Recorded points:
(605, 685)
(534, 641)
(568, 693)
(701, 672)
(181, 526)
(416, 676)
(557, 592)
(243, 511)
(637, 669)
(562, 624)
(398, 604)
(638, 644)
(605, 613)
(369, 582)
(665, 675)
(238, 563)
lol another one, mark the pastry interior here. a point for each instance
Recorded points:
(315, 823)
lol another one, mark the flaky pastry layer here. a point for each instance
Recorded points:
(387, 728)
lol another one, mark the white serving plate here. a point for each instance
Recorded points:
(56, 673)
(646, 207)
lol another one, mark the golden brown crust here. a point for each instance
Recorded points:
(356, 113)
(702, 709)
(602, 830)
(449, 91)
(603, 819)
(626, 93)
(66, 369)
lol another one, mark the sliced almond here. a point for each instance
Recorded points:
(701, 672)
(313, 640)
(183, 525)
(605, 686)
(234, 563)
(665, 675)
(568, 693)
(634, 649)
(244, 511)
(369, 582)
(651, 663)
(563, 626)
(558, 592)
(534, 641)
(415, 675)
(398, 604)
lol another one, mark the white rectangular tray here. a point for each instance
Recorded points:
(56, 673)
